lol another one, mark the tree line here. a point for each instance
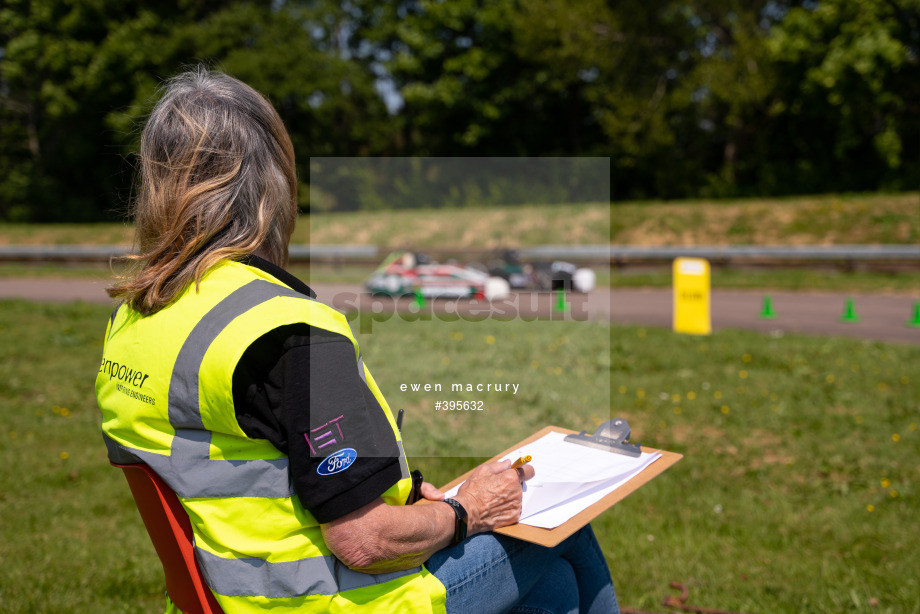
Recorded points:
(687, 98)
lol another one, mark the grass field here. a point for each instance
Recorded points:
(836, 219)
(798, 491)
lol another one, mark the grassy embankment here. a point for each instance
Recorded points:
(824, 220)
(798, 491)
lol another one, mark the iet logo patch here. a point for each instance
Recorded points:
(337, 461)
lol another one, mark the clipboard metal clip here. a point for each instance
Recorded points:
(611, 436)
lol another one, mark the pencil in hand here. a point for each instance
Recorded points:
(521, 461)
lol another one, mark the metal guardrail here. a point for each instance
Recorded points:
(790, 254)
(615, 255)
(335, 253)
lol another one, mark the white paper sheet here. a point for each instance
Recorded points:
(570, 477)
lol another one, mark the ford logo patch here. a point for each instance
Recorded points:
(337, 462)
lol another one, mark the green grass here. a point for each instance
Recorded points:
(798, 491)
(803, 279)
(66, 234)
(833, 219)
(69, 538)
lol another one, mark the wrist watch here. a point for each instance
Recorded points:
(460, 526)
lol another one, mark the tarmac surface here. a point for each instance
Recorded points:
(881, 317)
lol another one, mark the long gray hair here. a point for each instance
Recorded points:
(217, 181)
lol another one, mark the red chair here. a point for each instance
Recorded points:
(171, 533)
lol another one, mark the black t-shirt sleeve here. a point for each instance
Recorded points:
(300, 388)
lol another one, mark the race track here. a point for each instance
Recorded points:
(882, 317)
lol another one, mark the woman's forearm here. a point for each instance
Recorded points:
(379, 538)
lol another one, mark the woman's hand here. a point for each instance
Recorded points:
(380, 538)
(492, 496)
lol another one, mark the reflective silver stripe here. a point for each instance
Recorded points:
(184, 411)
(193, 478)
(196, 478)
(320, 575)
(403, 463)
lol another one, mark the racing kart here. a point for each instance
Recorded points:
(413, 273)
(538, 276)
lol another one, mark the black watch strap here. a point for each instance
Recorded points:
(460, 526)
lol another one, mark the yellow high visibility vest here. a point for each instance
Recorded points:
(165, 390)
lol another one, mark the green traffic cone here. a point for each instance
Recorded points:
(849, 312)
(915, 321)
(560, 301)
(767, 312)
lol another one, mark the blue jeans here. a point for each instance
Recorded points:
(491, 573)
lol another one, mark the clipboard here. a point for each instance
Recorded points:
(552, 537)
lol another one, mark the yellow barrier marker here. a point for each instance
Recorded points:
(691, 296)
